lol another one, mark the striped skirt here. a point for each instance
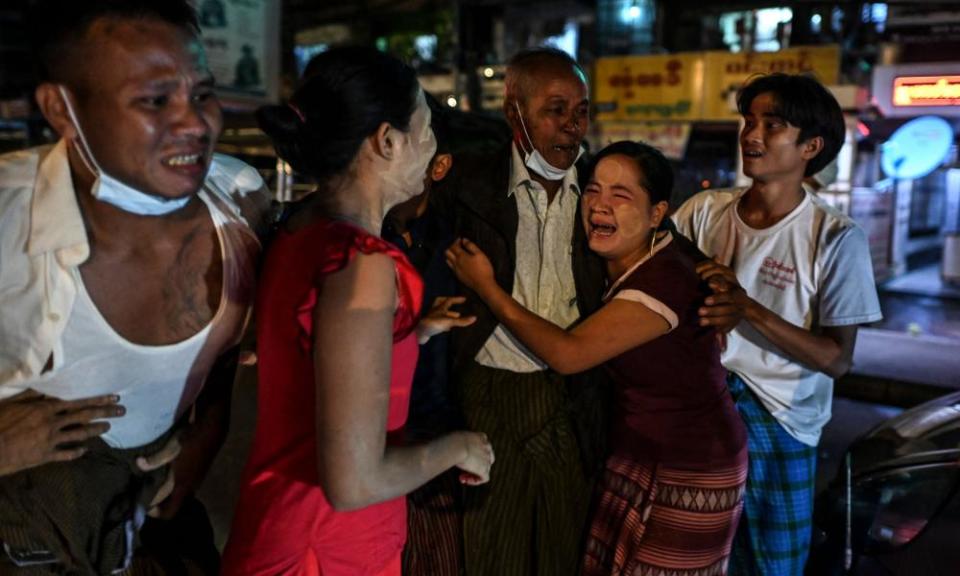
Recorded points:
(530, 518)
(435, 528)
(651, 520)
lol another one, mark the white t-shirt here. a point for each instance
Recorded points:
(812, 268)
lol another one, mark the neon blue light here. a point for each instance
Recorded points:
(917, 148)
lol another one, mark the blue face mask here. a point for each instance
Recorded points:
(535, 160)
(108, 189)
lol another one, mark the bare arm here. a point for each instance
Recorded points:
(830, 351)
(617, 327)
(352, 374)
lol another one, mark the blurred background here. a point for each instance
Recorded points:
(663, 71)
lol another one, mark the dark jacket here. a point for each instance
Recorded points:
(433, 410)
(474, 200)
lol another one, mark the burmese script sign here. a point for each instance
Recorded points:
(695, 85)
(926, 91)
(727, 72)
(664, 87)
(906, 90)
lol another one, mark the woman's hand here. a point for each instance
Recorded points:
(478, 459)
(441, 318)
(470, 264)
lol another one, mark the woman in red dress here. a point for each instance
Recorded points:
(337, 312)
(669, 498)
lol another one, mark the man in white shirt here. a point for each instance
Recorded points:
(127, 275)
(795, 278)
(520, 204)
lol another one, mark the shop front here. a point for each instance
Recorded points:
(916, 142)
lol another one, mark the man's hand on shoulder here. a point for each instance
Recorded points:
(728, 304)
(36, 429)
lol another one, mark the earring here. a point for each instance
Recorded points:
(653, 238)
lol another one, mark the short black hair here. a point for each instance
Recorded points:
(656, 174)
(58, 25)
(345, 94)
(804, 102)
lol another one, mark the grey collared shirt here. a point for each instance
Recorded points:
(543, 278)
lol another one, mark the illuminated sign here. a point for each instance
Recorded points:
(926, 91)
(919, 89)
(917, 148)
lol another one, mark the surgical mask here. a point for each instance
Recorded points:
(535, 160)
(108, 189)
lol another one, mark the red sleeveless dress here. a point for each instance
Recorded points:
(283, 523)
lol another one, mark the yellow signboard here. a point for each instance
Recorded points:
(663, 87)
(695, 85)
(727, 72)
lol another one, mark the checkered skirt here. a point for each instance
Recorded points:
(774, 536)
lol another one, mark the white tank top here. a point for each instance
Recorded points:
(156, 384)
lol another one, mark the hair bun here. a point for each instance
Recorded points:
(345, 95)
(278, 122)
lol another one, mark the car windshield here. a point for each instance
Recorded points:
(932, 428)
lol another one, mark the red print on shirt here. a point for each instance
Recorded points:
(777, 274)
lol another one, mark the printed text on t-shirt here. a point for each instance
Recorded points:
(777, 274)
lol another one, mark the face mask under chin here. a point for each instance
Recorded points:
(108, 189)
(534, 159)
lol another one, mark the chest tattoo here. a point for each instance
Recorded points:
(191, 288)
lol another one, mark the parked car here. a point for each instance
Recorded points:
(894, 507)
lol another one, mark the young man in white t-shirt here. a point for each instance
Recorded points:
(794, 277)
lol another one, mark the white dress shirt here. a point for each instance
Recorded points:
(543, 278)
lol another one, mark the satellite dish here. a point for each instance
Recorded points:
(917, 148)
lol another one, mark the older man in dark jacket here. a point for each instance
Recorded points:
(520, 205)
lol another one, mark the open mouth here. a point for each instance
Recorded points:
(752, 154)
(184, 160)
(571, 149)
(602, 229)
